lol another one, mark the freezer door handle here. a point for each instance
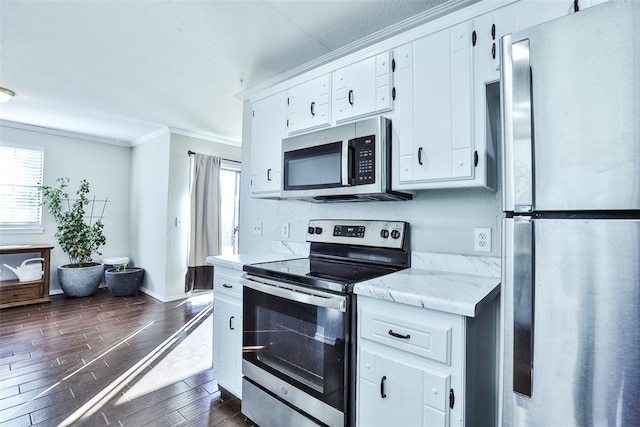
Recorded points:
(518, 135)
(523, 305)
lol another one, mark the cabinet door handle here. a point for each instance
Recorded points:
(268, 174)
(231, 325)
(382, 393)
(313, 105)
(397, 335)
(350, 96)
(420, 156)
(224, 285)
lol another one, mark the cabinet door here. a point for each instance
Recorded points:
(363, 88)
(395, 393)
(308, 105)
(227, 345)
(267, 131)
(434, 144)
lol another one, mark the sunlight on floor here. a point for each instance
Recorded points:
(192, 356)
(167, 364)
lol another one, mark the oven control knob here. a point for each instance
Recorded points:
(318, 230)
(384, 233)
(311, 230)
(395, 234)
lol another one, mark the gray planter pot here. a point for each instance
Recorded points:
(80, 281)
(124, 283)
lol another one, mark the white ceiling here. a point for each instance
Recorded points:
(122, 69)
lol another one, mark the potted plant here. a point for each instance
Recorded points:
(79, 235)
(123, 281)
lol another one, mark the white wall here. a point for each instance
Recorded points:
(148, 217)
(105, 166)
(441, 220)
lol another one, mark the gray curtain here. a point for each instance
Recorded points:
(204, 224)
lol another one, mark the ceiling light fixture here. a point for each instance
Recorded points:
(6, 94)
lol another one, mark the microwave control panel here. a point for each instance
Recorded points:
(364, 159)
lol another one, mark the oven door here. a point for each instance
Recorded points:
(295, 345)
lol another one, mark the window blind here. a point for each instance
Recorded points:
(20, 175)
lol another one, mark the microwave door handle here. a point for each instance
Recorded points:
(346, 162)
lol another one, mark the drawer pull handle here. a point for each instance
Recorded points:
(404, 337)
(224, 285)
(382, 393)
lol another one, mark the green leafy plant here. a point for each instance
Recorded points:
(122, 268)
(78, 234)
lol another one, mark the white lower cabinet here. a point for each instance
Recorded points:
(421, 367)
(227, 330)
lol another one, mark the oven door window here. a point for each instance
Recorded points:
(299, 343)
(314, 167)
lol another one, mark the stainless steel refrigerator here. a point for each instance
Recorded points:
(571, 229)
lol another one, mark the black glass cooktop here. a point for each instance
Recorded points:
(338, 276)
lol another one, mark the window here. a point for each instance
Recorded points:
(20, 176)
(229, 209)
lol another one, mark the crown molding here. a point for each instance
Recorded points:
(65, 133)
(206, 136)
(151, 135)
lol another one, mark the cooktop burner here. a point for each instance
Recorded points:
(320, 273)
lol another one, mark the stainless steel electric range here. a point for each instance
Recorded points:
(299, 319)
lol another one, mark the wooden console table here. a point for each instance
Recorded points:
(14, 292)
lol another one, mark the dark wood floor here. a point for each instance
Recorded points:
(102, 360)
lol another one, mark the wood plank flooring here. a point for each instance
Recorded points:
(101, 360)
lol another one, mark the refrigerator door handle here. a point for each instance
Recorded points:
(523, 305)
(518, 125)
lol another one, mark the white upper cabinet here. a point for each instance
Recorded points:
(433, 144)
(362, 88)
(267, 131)
(308, 105)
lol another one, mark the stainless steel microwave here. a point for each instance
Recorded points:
(350, 162)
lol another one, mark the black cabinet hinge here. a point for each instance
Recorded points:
(393, 94)
(287, 100)
(475, 159)
(393, 65)
(474, 38)
(253, 113)
(452, 398)
(287, 122)
(576, 6)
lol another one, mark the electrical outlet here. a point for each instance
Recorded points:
(256, 228)
(482, 239)
(285, 230)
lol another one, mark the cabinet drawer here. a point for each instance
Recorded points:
(20, 292)
(429, 340)
(227, 284)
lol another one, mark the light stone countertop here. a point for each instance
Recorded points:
(433, 283)
(237, 261)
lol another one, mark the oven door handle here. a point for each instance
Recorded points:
(297, 293)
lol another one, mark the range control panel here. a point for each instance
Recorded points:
(384, 234)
